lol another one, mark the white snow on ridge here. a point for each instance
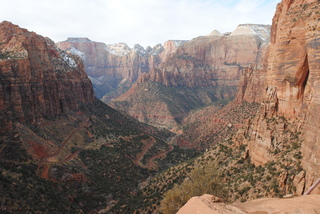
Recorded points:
(77, 52)
(179, 43)
(118, 49)
(122, 49)
(156, 50)
(139, 49)
(263, 31)
(68, 59)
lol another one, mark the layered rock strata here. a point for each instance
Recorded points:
(202, 71)
(36, 78)
(292, 91)
(115, 66)
(214, 59)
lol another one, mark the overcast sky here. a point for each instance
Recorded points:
(147, 22)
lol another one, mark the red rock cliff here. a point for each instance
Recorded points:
(213, 59)
(206, 69)
(117, 60)
(111, 67)
(36, 78)
(293, 89)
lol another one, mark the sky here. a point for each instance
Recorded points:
(144, 22)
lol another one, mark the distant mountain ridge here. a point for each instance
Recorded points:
(61, 149)
(114, 67)
(202, 71)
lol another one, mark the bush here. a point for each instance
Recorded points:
(202, 180)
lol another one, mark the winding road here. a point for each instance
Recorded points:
(150, 164)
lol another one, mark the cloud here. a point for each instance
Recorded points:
(146, 22)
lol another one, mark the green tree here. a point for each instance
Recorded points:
(202, 179)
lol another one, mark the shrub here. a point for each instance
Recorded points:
(203, 179)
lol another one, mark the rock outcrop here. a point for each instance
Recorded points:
(213, 59)
(208, 204)
(291, 90)
(116, 66)
(36, 78)
(57, 139)
(209, 65)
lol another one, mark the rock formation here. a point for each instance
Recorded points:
(37, 79)
(116, 66)
(58, 140)
(208, 204)
(213, 59)
(209, 65)
(291, 75)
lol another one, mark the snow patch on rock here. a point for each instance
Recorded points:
(263, 31)
(179, 43)
(139, 49)
(156, 50)
(77, 52)
(118, 49)
(68, 59)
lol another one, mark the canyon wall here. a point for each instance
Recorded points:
(292, 94)
(37, 79)
(213, 59)
(202, 71)
(116, 66)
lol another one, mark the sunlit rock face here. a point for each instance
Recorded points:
(292, 84)
(38, 79)
(208, 204)
(203, 70)
(115, 67)
(213, 59)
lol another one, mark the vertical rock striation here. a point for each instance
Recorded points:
(36, 78)
(116, 66)
(292, 85)
(200, 72)
(214, 59)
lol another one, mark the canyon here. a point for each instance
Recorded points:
(113, 68)
(287, 83)
(202, 71)
(244, 105)
(61, 144)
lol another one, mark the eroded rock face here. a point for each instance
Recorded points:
(36, 78)
(213, 59)
(292, 92)
(211, 65)
(115, 66)
(170, 47)
(293, 63)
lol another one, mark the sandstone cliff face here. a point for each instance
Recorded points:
(209, 65)
(111, 67)
(292, 91)
(253, 81)
(170, 47)
(213, 59)
(36, 78)
(296, 73)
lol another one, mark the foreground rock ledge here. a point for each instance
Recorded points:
(208, 204)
